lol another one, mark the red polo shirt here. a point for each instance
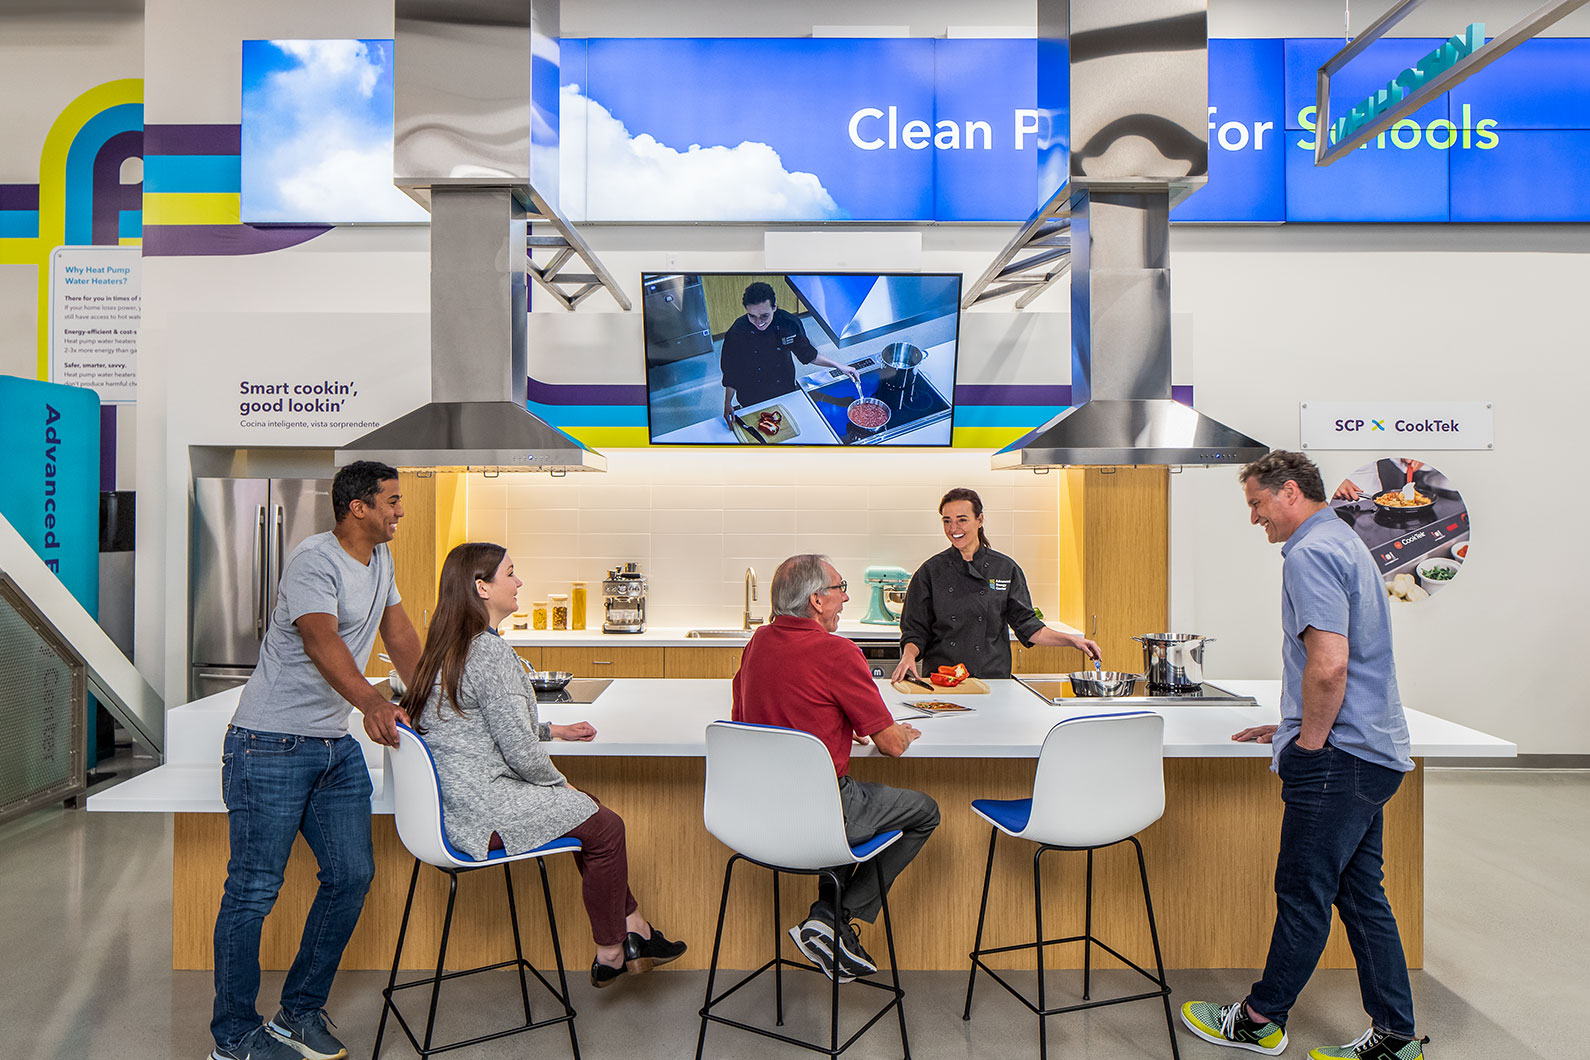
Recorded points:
(796, 674)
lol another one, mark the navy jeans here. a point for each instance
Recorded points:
(1331, 855)
(277, 785)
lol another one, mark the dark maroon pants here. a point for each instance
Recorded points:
(603, 862)
(604, 873)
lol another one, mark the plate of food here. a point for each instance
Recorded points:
(930, 707)
(1394, 501)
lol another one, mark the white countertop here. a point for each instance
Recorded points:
(668, 718)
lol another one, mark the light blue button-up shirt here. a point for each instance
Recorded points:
(1329, 581)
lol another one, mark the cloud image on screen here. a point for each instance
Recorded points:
(608, 173)
(317, 133)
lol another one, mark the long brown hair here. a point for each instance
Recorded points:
(960, 493)
(460, 617)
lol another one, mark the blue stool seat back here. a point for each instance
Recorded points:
(772, 795)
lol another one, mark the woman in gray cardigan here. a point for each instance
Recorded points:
(473, 701)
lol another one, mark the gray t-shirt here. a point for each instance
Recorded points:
(286, 693)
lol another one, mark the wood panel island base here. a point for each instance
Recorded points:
(1211, 858)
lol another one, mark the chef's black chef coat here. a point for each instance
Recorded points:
(756, 364)
(959, 612)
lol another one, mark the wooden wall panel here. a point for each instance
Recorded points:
(723, 295)
(1213, 900)
(414, 560)
(1125, 559)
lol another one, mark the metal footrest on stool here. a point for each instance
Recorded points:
(560, 993)
(1088, 940)
(834, 1047)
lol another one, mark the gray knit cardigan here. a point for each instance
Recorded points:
(492, 762)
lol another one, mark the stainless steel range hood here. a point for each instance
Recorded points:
(462, 148)
(1137, 91)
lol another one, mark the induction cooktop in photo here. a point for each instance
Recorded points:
(1398, 539)
(910, 398)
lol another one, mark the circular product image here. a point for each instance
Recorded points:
(869, 414)
(1412, 519)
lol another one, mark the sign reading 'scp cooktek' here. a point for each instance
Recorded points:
(1390, 425)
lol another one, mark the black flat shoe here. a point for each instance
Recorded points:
(642, 955)
(605, 975)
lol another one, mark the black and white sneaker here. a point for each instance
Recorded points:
(258, 1044)
(815, 938)
(307, 1036)
(852, 958)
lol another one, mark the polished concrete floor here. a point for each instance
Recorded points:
(85, 955)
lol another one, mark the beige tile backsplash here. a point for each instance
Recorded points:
(694, 520)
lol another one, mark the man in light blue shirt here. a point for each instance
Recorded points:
(1341, 750)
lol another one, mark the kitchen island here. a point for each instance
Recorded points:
(647, 763)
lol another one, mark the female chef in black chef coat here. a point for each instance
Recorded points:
(963, 602)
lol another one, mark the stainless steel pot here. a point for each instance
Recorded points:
(868, 406)
(903, 355)
(1173, 661)
(1102, 683)
(551, 680)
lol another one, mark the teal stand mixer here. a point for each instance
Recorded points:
(886, 583)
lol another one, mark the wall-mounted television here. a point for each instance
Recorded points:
(807, 359)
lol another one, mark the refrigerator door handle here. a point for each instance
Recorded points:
(260, 592)
(275, 561)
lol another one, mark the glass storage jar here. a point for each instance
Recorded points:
(577, 607)
(538, 615)
(560, 610)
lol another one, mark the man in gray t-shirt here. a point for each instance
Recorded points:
(289, 766)
(1341, 750)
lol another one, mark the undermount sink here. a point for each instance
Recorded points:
(718, 634)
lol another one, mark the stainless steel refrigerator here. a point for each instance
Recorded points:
(243, 531)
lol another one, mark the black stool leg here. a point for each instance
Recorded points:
(778, 966)
(518, 947)
(839, 905)
(894, 963)
(1087, 931)
(557, 957)
(717, 944)
(441, 960)
(1037, 909)
(391, 982)
(982, 913)
(1159, 961)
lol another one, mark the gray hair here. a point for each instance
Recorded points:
(1278, 467)
(796, 579)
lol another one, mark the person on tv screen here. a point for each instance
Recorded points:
(758, 349)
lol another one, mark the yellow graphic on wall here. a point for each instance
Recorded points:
(90, 191)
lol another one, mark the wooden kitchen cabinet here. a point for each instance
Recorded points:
(716, 663)
(530, 655)
(1046, 659)
(605, 661)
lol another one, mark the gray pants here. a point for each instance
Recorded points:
(869, 810)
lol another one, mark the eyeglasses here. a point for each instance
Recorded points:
(841, 586)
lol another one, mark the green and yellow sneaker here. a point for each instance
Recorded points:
(1373, 1045)
(1230, 1025)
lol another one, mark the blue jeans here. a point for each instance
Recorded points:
(1331, 855)
(275, 786)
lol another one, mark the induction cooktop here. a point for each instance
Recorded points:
(1396, 539)
(1056, 689)
(579, 690)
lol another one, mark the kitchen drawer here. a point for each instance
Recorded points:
(1046, 659)
(530, 655)
(605, 661)
(717, 663)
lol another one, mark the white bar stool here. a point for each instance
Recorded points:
(773, 799)
(1100, 780)
(419, 824)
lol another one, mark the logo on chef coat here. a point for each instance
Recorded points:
(999, 584)
(787, 340)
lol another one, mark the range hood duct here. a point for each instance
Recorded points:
(462, 148)
(1136, 88)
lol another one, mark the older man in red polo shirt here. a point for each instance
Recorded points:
(806, 678)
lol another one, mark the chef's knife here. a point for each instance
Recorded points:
(913, 679)
(746, 426)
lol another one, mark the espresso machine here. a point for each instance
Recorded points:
(888, 586)
(624, 600)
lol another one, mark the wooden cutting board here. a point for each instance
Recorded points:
(786, 426)
(971, 686)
